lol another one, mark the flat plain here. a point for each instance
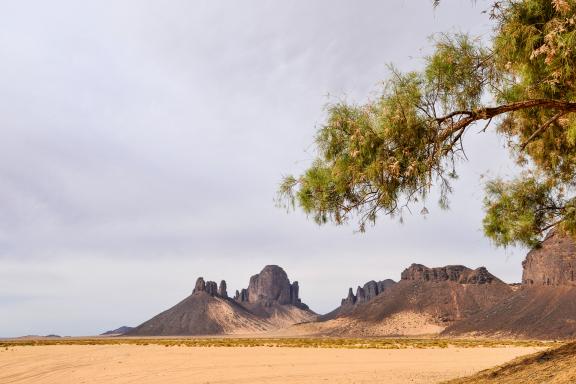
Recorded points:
(249, 360)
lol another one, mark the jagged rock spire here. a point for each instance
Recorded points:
(210, 287)
(222, 289)
(200, 285)
(367, 292)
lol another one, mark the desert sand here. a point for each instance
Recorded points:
(113, 364)
(397, 324)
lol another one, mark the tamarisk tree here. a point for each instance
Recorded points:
(386, 155)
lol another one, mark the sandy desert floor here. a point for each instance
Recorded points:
(112, 364)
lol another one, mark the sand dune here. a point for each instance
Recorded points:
(122, 364)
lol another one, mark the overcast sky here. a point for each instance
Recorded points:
(142, 143)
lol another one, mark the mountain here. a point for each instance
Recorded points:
(118, 331)
(425, 301)
(545, 305)
(269, 302)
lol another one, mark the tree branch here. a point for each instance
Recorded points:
(490, 112)
(542, 128)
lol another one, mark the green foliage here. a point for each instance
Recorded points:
(386, 155)
(535, 51)
(536, 42)
(514, 208)
(457, 72)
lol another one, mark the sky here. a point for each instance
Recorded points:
(142, 143)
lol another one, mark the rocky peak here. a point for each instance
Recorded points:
(241, 296)
(360, 294)
(270, 286)
(210, 287)
(222, 289)
(200, 285)
(350, 299)
(367, 292)
(457, 273)
(553, 263)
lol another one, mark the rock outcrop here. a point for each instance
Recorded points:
(367, 292)
(241, 296)
(271, 286)
(222, 289)
(209, 287)
(553, 263)
(200, 285)
(350, 299)
(457, 273)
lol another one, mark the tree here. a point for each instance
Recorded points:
(382, 157)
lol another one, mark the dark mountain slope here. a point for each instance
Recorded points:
(545, 305)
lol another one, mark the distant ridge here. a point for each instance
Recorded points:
(118, 331)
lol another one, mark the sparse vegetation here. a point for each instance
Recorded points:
(347, 343)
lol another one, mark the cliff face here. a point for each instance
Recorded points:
(209, 287)
(270, 287)
(456, 273)
(551, 264)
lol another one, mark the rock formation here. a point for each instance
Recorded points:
(200, 285)
(456, 273)
(241, 296)
(367, 292)
(244, 295)
(271, 286)
(553, 263)
(222, 289)
(350, 299)
(270, 302)
(210, 287)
